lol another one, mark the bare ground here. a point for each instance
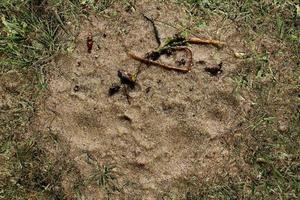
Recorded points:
(173, 128)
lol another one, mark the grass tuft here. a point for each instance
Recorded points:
(32, 166)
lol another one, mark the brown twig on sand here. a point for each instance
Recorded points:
(195, 40)
(179, 48)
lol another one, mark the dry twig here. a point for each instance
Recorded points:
(195, 40)
(179, 48)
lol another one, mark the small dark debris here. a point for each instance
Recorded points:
(128, 8)
(168, 52)
(148, 90)
(181, 62)
(76, 88)
(126, 78)
(104, 35)
(127, 82)
(201, 62)
(166, 107)
(177, 40)
(153, 55)
(89, 42)
(140, 165)
(126, 118)
(254, 28)
(114, 89)
(214, 71)
(78, 63)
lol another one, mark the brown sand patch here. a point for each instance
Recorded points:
(171, 128)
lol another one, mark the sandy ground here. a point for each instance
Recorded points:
(173, 128)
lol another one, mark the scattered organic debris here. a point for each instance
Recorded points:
(89, 42)
(168, 48)
(127, 82)
(127, 78)
(181, 62)
(177, 40)
(177, 43)
(172, 45)
(155, 55)
(179, 48)
(155, 30)
(214, 71)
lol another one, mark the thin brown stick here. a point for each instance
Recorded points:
(195, 40)
(180, 48)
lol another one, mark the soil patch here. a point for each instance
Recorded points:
(173, 126)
